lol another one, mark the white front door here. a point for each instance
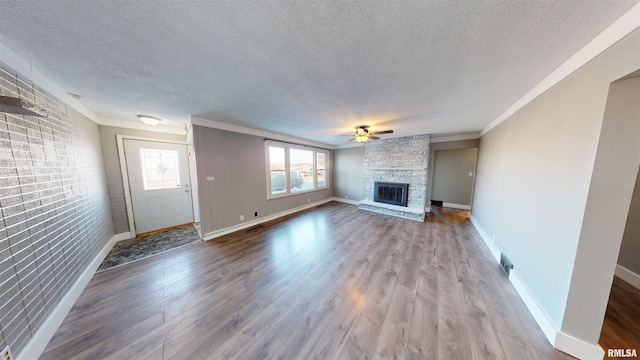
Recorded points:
(159, 184)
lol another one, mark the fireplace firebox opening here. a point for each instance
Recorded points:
(391, 193)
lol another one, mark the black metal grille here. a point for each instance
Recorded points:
(391, 193)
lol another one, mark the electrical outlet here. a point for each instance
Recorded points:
(241, 217)
(309, 200)
(346, 196)
(6, 354)
(255, 214)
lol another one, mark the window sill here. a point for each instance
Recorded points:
(284, 195)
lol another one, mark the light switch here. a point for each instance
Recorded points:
(470, 173)
(211, 178)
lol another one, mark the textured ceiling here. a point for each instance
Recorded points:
(306, 69)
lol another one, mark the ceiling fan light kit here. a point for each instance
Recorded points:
(362, 138)
(362, 134)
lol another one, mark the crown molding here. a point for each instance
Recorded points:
(435, 138)
(255, 132)
(621, 28)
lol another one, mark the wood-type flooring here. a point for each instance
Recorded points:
(621, 328)
(332, 282)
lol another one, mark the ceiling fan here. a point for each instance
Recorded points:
(363, 134)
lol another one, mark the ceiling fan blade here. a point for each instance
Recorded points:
(381, 132)
(374, 137)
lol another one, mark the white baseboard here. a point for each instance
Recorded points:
(628, 276)
(487, 240)
(248, 224)
(561, 341)
(41, 338)
(456, 206)
(539, 315)
(346, 201)
(578, 348)
(122, 236)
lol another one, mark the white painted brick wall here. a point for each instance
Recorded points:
(54, 205)
(409, 155)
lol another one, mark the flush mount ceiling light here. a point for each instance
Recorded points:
(149, 120)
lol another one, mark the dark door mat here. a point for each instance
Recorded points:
(126, 251)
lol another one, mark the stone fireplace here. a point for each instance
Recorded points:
(402, 161)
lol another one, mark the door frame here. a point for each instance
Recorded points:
(125, 175)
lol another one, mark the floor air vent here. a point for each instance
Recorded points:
(505, 264)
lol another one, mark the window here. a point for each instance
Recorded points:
(277, 170)
(321, 170)
(159, 169)
(294, 168)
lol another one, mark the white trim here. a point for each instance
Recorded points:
(456, 206)
(620, 28)
(346, 201)
(487, 240)
(41, 338)
(435, 138)
(125, 177)
(541, 317)
(260, 133)
(217, 233)
(18, 64)
(287, 168)
(578, 348)
(627, 275)
(122, 236)
(561, 341)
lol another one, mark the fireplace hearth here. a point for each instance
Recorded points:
(391, 193)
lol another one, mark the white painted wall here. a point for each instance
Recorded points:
(534, 174)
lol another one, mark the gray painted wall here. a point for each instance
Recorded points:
(630, 249)
(114, 175)
(610, 192)
(347, 173)
(447, 145)
(237, 161)
(533, 177)
(55, 208)
(451, 180)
